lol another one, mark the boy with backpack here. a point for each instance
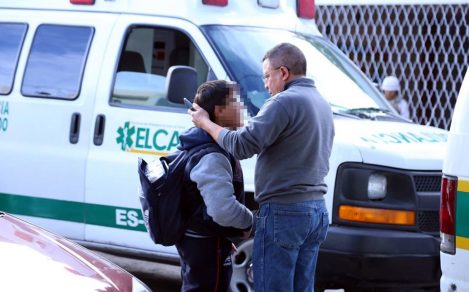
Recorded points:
(214, 193)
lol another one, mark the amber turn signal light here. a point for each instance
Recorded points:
(374, 215)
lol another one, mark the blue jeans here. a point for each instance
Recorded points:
(286, 245)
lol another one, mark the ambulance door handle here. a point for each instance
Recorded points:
(99, 130)
(75, 128)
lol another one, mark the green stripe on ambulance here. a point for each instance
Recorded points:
(94, 214)
(462, 215)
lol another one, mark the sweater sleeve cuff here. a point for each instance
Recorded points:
(253, 221)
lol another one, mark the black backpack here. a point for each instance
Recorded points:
(162, 192)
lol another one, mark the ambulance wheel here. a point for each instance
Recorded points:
(242, 278)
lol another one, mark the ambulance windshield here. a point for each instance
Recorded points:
(336, 78)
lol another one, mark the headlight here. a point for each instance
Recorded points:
(372, 194)
(377, 186)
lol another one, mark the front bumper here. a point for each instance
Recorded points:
(365, 257)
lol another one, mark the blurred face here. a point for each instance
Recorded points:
(231, 114)
(274, 77)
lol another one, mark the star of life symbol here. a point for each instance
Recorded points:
(125, 136)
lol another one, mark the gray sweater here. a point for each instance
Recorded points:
(293, 134)
(214, 178)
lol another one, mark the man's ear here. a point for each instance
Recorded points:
(285, 73)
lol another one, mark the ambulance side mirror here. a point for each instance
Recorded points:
(181, 81)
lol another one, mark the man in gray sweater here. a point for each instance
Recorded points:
(292, 135)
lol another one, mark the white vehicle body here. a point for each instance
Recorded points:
(455, 243)
(69, 144)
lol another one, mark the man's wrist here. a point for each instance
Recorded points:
(211, 128)
(206, 124)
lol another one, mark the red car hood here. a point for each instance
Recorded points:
(33, 259)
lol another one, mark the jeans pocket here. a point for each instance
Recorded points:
(291, 228)
(324, 225)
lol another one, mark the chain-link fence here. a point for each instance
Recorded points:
(425, 46)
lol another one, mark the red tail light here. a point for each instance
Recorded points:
(448, 214)
(215, 2)
(305, 8)
(84, 2)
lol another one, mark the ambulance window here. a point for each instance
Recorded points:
(10, 48)
(147, 56)
(56, 62)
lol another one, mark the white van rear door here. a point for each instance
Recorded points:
(133, 118)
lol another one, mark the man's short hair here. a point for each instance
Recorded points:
(287, 55)
(213, 93)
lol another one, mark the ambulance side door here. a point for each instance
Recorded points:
(134, 118)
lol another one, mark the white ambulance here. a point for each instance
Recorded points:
(454, 212)
(87, 86)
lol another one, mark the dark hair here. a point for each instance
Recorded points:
(212, 93)
(287, 55)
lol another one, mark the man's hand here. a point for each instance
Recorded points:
(201, 119)
(199, 116)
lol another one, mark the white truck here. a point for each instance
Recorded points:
(454, 224)
(87, 86)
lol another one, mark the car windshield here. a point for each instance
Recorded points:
(336, 78)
